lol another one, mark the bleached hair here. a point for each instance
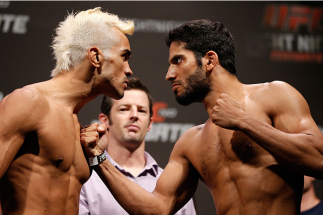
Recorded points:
(78, 32)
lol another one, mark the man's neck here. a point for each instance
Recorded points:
(131, 159)
(309, 200)
(71, 89)
(223, 82)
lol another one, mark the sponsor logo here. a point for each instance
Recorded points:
(155, 25)
(13, 23)
(1, 95)
(4, 4)
(293, 18)
(161, 111)
(296, 33)
(167, 132)
(162, 131)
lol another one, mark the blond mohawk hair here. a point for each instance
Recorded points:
(78, 32)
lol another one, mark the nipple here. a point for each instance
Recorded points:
(59, 161)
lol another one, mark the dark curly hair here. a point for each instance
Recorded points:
(201, 36)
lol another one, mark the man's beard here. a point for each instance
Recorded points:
(198, 86)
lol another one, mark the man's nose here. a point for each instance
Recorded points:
(133, 113)
(128, 71)
(170, 74)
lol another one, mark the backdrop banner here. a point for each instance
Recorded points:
(275, 41)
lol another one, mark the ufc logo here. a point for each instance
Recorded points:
(290, 18)
(161, 111)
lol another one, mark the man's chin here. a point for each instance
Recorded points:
(117, 95)
(133, 140)
(183, 101)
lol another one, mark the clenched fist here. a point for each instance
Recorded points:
(94, 139)
(227, 112)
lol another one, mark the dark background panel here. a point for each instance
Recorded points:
(27, 58)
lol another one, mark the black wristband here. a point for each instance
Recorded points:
(94, 161)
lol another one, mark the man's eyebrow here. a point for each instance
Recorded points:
(142, 106)
(130, 104)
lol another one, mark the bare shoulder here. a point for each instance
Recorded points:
(286, 107)
(277, 95)
(28, 97)
(268, 87)
(278, 86)
(192, 132)
(23, 106)
(187, 141)
(275, 88)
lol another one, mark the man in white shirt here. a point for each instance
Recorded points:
(128, 121)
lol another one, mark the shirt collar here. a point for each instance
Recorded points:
(151, 166)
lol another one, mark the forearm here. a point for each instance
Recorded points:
(169, 194)
(301, 152)
(133, 198)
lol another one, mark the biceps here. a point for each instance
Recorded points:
(296, 122)
(292, 114)
(299, 122)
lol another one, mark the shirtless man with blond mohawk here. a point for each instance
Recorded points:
(251, 153)
(42, 164)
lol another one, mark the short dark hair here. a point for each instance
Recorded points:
(134, 84)
(201, 36)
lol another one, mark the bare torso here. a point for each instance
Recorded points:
(49, 169)
(242, 177)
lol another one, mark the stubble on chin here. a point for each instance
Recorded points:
(198, 86)
(132, 139)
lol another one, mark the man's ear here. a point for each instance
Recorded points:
(150, 123)
(104, 119)
(211, 59)
(95, 56)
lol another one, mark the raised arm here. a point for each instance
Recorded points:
(17, 117)
(174, 188)
(294, 139)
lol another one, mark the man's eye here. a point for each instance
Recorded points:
(178, 60)
(126, 57)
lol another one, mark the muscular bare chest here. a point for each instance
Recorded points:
(56, 145)
(224, 154)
